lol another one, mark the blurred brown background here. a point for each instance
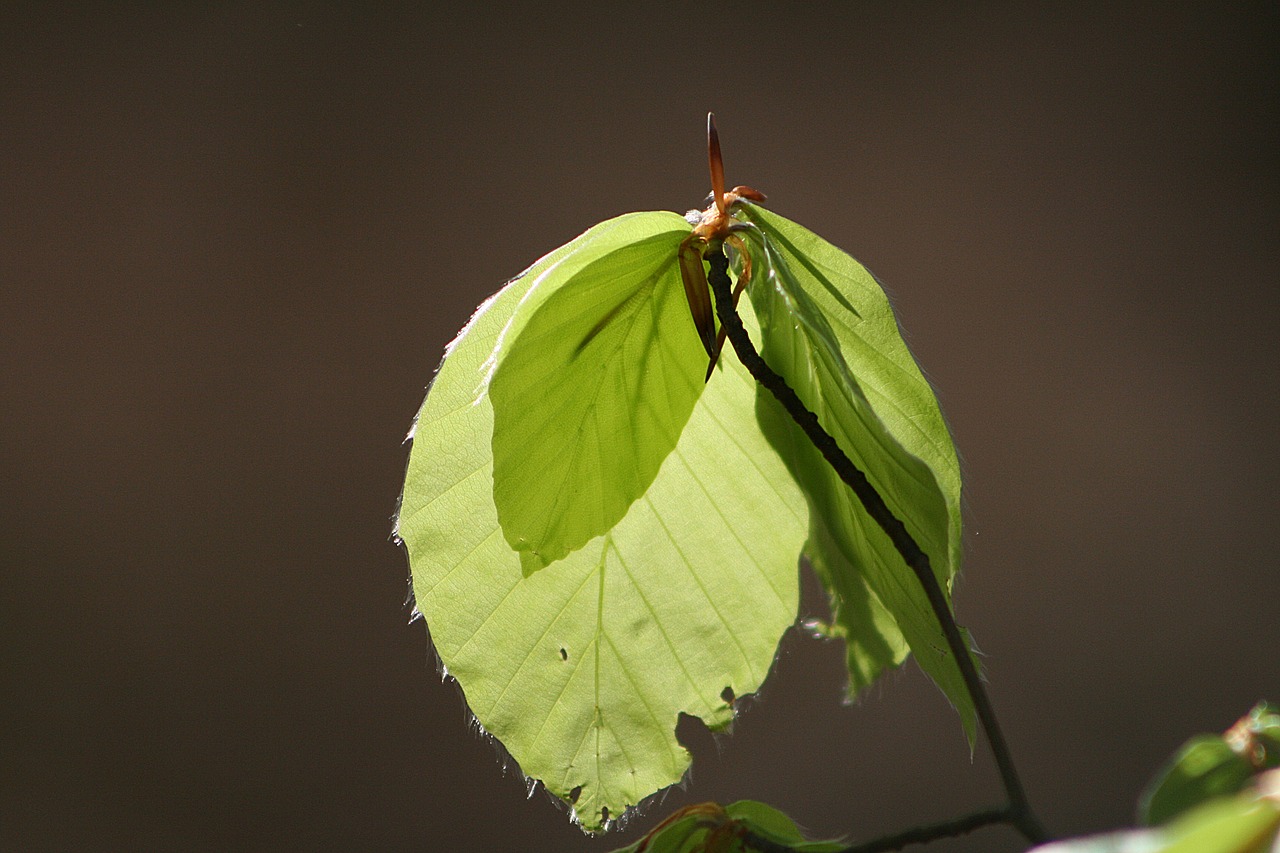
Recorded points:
(234, 242)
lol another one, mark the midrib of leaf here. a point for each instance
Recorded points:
(598, 717)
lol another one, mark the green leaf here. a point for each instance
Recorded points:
(872, 640)
(582, 669)
(688, 834)
(1205, 767)
(594, 391)
(1245, 823)
(1208, 766)
(766, 821)
(731, 829)
(827, 327)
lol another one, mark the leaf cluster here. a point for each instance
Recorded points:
(601, 540)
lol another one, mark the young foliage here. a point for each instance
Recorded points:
(1217, 794)
(739, 827)
(599, 541)
(1209, 766)
(827, 327)
(1247, 822)
(594, 392)
(582, 668)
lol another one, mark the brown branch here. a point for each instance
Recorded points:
(962, 825)
(932, 832)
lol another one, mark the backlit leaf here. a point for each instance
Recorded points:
(827, 327)
(581, 669)
(593, 392)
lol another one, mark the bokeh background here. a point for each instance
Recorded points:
(235, 240)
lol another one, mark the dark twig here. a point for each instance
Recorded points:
(916, 835)
(932, 832)
(1019, 812)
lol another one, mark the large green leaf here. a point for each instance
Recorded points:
(582, 669)
(827, 327)
(594, 391)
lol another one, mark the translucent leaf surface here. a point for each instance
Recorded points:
(827, 327)
(872, 640)
(581, 669)
(594, 391)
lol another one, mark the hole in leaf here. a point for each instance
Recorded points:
(576, 792)
(563, 654)
(604, 814)
(727, 695)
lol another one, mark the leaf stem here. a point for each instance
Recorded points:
(932, 831)
(1019, 812)
(962, 825)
